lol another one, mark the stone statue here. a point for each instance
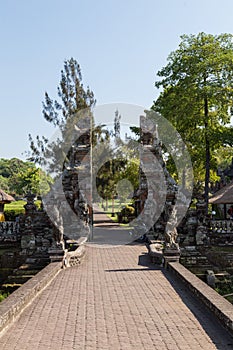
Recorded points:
(30, 205)
(171, 231)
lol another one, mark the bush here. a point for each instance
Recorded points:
(3, 296)
(11, 214)
(126, 213)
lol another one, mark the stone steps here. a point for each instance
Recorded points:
(193, 260)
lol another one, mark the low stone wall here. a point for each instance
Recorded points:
(9, 231)
(221, 307)
(15, 303)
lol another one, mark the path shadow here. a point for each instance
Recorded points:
(212, 326)
(143, 260)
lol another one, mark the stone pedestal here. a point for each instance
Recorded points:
(171, 255)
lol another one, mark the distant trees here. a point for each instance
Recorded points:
(114, 177)
(197, 97)
(19, 177)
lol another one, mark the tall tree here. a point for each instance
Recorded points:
(197, 95)
(72, 98)
(117, 124)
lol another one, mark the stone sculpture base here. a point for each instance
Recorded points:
(171, 255)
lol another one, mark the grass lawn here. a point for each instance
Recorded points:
(15, 205)
(13, 209)
(19, 205)
(117, 205)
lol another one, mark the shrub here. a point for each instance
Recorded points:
(11, 214)
(126, 213)
(3, 296)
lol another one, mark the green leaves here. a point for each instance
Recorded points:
(197, 95)
(19, 177)
(72, 98)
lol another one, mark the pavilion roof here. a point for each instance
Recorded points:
(223, 196)
(5, 198)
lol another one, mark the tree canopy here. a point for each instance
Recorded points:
(61, 112)
(196, 97)
(19, 177)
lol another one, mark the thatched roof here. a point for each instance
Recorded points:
(5, 198)
(223, 196)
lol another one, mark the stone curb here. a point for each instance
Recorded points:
(15, 303)
(221, 307)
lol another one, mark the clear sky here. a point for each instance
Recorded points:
(120, 45)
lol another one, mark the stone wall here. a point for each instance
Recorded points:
(157, 191)
(37, 235)
(9, 231)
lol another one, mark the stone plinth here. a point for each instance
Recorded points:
(171, 255)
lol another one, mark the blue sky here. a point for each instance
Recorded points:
(120, 46)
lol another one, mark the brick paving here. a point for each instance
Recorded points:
(115, 300)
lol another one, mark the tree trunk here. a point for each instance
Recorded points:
(207, 155)
(113, 205)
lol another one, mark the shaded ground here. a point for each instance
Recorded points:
(105, 231)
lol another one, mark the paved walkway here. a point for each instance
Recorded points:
(115, 300)
(106, 231)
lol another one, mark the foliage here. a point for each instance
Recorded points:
(12, 214)
(114, 175)
(136, 130)
(62, 113)
(126, 213)
(197, 95)
(3, 296)
(4, 183)
(128, 210)
(19, 177)
(117, 124)
(107, 177)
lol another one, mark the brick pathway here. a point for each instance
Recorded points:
(115, 300)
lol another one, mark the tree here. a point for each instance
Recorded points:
(72, 98)
(19, 177)
(197, 96)
(117, 125)
(4, 183)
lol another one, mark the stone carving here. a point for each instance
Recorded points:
(171, 231)
(30, 205)
(201, 232)
(161, 197)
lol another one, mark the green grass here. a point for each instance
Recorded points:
(3, 296)
(15, 205)
(13, 209)
(117, 205)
